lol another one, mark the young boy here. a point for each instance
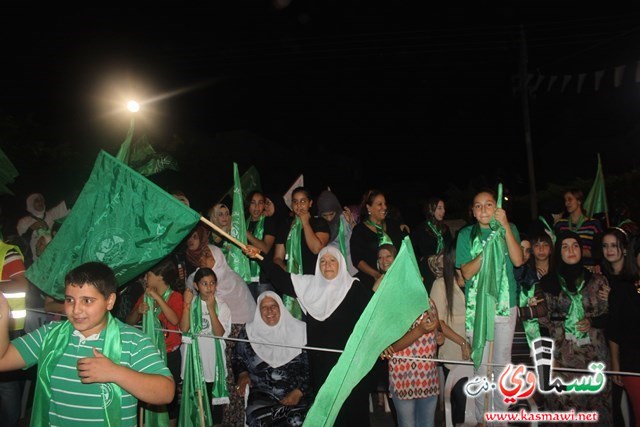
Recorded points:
(91, 367)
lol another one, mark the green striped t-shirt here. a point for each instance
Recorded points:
(74, 403)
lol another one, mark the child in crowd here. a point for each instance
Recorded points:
(92, 367)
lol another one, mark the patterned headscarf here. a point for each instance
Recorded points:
(193, 256)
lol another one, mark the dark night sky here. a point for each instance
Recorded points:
(313, 86)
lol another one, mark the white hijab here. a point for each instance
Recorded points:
(232, 289)
(318, 296)
(288, 331)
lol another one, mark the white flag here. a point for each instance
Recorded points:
(299, 182)
(598, 79)
(619, 73)
(581, 78)
(565, 81)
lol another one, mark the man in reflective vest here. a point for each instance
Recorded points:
(14, 285)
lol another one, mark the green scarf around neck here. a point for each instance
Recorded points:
(531, 326)
(53, 347)
(152, 327)
(438, 233)
(258, 233)
(383, 237)
(294, 264)
(575, 314)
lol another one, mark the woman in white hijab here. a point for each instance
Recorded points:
(333, 301)
(39, 221)
(278, 374)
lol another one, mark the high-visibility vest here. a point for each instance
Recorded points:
(17, 300)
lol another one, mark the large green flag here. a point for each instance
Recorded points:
(400, 299)
(236, 259)
(141, 156)
(8, 173)
(121, 219)
(596, 201)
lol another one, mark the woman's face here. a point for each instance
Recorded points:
(328, 216)
(378, 209)
(269, 311)
(484, 206)
(438, 214)
(207, 286)
(207, 259)
(38, 203)
(300, 203)
(570, 251)
(385, 259)
(329, 266)
(222, 216)
(193, 242)
(541, 251)
(256, 206)
(153, 281)
(611, 249)
(571, 203)
(269, 208)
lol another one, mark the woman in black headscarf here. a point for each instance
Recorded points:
(577, 306)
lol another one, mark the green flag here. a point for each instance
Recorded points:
(400, 299)
(596, 201)
(250, 181)
(121, 219)
(8, 173)
(141, 156)
(490, 287)
(236, 259)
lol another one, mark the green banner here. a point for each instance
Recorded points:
(121, 219)
(237, 260)
(596, 201)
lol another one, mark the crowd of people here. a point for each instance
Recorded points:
(192, 333)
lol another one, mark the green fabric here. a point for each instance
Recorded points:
(8, 173)
(121, 219)
(250, 181)
(258, 233)
(596, 201)
(158, 416)
(342, 239)
(400, 299)
(488, 295)
(142, 157)
(237, 260)
(575, 314)
(383, 238)
(293, 249)
(531, 326)
(438, 234)
(549, 228)
(53, 347)
(194, 387)
(220, 393)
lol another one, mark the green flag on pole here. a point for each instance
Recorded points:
(237, 260)
(8, 173)
(142, 157)
(400, 299)
(249, 181)
(121, 219)
(596, 201)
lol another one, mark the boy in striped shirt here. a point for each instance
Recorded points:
(92, 368)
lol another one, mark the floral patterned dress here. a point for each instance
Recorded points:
(570, 355)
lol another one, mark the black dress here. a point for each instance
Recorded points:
(333, 333)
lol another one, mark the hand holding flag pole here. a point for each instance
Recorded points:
(227, 236)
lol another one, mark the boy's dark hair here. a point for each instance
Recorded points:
(168, 269)
(96, 274)
(204, 272)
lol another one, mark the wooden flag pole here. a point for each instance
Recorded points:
(201, 408)
(227, 235)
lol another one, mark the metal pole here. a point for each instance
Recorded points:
(527, 124)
